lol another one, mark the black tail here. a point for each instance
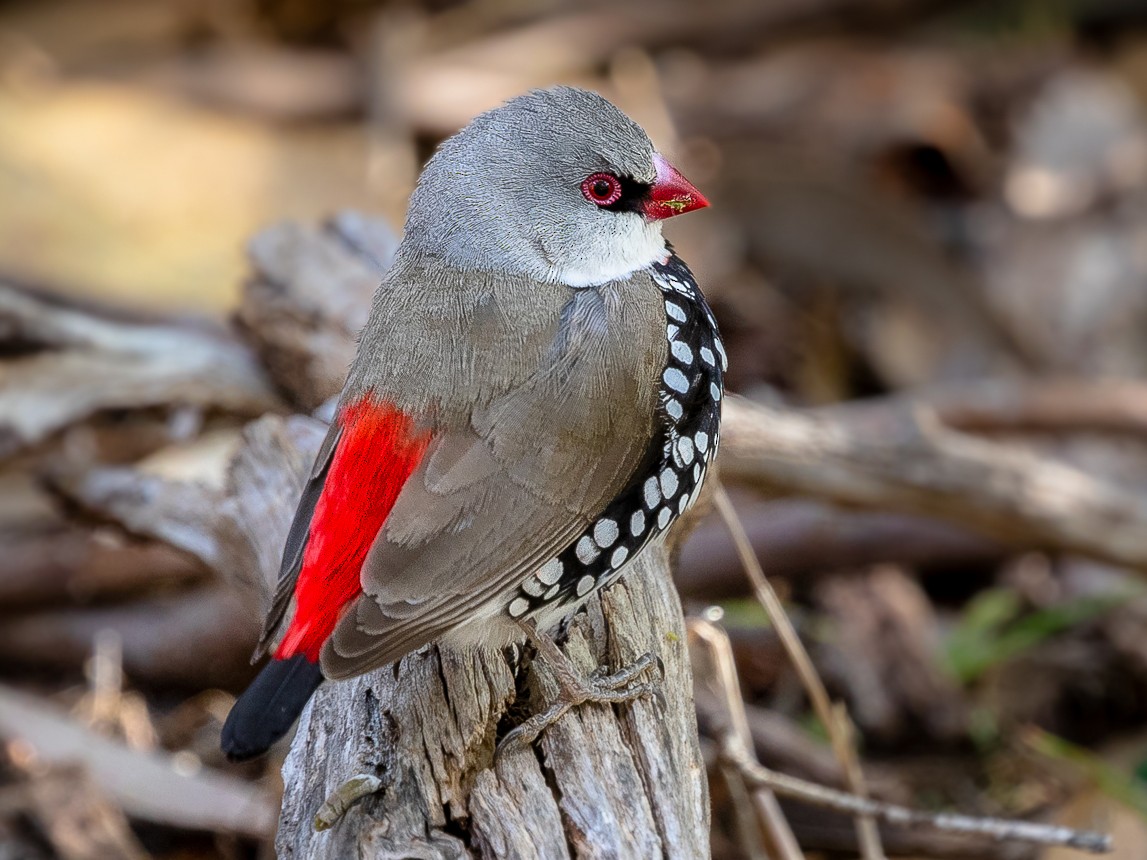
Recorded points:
(269, 707)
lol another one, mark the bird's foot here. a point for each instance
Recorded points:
(575, 689)
(341, 799)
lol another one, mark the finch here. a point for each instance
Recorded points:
(535, 400)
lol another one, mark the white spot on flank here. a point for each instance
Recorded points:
(637, 523)
(618, 558)
(714, 391)
(532, 587)
(668, 483)
(676, 380)
(685, 450)
(701, 438)
(584, 585)
(663, 517)
(721, 351)
(551, 571)
(671, 331)
(605, 533)
(707, 355)
(675, 311)
(518, 607)
(586, 550)
(651, 493)
(681, 352)
(553, 592)
(674, 409)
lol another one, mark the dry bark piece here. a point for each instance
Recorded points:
(310, 296)
(78, 819)
(146, 785)
(166, 496)
(264, 483)
(72, 363)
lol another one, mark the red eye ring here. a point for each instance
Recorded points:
(602, 189)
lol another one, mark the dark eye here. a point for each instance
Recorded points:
(601, 188)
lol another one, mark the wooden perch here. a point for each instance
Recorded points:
(605, 783)
(73, 363)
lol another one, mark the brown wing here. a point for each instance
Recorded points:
(493, 501)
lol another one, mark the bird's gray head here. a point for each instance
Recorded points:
(557, 184)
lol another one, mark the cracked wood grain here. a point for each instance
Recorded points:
(603, 782)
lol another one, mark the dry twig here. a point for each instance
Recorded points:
(769, 811)
(1001, 829)
(834, 721)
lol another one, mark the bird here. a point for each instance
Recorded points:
(535, 401)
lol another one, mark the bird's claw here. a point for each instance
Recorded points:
(574, 690)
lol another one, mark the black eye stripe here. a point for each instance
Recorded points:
(633, 195)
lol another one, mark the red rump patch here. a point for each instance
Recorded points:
(378, 451)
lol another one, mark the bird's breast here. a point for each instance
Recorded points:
(689, 390)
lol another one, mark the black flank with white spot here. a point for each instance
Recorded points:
(669, 480)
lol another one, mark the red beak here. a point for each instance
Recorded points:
(672, 194)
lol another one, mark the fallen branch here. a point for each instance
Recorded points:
(1050, 405)
(74, 363)
(148, 786)
(155, 633)
(78, 819)
(920, 467)
(801, 538)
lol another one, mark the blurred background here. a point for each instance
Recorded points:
(916, 203)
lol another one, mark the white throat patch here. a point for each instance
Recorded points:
(636, 245)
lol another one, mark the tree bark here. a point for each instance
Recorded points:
(603, 782)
